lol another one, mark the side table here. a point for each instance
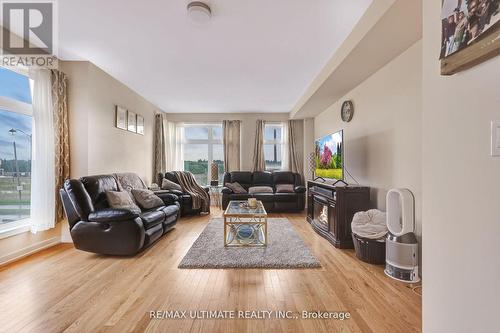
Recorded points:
(215, 192)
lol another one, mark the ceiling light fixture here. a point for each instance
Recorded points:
(199, 12)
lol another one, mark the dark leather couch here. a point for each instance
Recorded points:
(273, 202)
(97, 228)
(185, 200)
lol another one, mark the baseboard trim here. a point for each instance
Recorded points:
(29, 250)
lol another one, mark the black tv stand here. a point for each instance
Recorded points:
(330, 210)
(340, 181)
(333, 184)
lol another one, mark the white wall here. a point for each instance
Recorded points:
(383, 140)
(248, 126)
(97, 146)
(461, 182)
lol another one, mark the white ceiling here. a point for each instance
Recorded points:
(350, 66)
(253, 55)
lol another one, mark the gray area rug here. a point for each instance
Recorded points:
(285, 249)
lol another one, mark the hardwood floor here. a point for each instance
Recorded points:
(62, 289)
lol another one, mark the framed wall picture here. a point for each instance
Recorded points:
(121, 118)
(470, 33)
(140, 124)
(132, 121)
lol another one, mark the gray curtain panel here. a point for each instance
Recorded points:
(231, 141)
(295, 149)
(259, 163)
(61, 138)
(160, 158)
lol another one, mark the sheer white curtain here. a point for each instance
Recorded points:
(175, 153)
(43, 164)
(285, 157)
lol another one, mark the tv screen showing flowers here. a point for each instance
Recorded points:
(329, 154)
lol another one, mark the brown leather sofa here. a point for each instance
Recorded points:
(273, 202)
(97, 228)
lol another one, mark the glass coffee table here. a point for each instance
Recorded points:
(245, 226)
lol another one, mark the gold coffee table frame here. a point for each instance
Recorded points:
(236, 216)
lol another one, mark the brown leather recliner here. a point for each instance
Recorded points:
(97, 228)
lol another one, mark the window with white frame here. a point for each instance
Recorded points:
(15, 148)
(202, 145)
(274, 145)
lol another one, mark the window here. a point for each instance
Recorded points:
(273, 145)
(202, 145)
(15, 149)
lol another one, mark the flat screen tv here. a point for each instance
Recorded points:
(329, 156)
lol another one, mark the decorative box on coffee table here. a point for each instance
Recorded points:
(245, 226)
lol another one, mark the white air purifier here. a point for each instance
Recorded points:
(401, 246)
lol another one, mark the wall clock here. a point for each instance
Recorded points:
(347, 111)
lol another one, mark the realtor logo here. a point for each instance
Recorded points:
(29, 33)
(28, 28)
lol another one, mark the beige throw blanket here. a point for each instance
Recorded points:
(200, 198)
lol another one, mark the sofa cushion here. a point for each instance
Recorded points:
(285, 197)
(236, 188)
(264, 197)
(128, 181)
(285, 188)
(79, 200)
(244, 178)
(243, 196)
(170, 185)
(262, 178)
(171, 210)
(169, 223)
(152, 218)
(177, 193)
(282, 206)
(172, 177)
(147, 199)
(171, 218)
(121, 200)
(97, 186)
(152, 234)
(113, 215)
(167, 197)
(283, 177)
(260, 189)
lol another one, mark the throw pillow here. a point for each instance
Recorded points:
(285, 188)
(147, 199)
(121, 200)
(236, 188)
(170, 185)
(260, 189)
